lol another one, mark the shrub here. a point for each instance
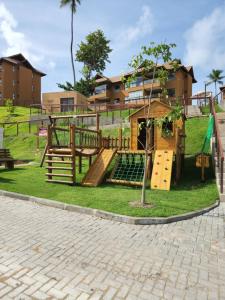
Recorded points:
(9, 106)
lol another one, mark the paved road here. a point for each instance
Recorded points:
(47, 253)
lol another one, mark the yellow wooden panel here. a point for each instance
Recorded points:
(162, 170)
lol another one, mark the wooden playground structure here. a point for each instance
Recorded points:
(67, 146)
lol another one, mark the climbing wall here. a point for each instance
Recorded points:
(162, 170)
(99, 167)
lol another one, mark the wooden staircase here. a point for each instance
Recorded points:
(63, 161)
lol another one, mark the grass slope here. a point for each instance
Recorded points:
(20, 114)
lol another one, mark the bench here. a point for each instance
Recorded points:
(6, 158)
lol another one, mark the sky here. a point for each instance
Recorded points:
(41, 31)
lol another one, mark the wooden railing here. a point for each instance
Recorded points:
(81, 138)
(116, 143)
(218, 144)
(87, 138)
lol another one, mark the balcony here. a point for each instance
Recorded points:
(144, 85)
(150, 83)
(103, 95)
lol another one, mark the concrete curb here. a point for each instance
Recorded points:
(109, 215)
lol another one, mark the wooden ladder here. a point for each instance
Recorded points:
(63, 161)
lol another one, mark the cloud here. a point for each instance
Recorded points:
(51, 65)
(16, 42)
(205, 41)
(143, 27)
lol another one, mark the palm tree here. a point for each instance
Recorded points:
(216, 77)
(73, 5)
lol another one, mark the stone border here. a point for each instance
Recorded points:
(108, 215)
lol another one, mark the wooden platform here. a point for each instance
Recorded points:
(162, 170)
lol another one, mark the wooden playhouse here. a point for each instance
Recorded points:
(166, 141)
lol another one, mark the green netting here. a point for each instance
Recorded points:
(206, 145)
(129, 167)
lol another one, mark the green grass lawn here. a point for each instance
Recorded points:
(206, 109)
(196, 129)
(189, 195)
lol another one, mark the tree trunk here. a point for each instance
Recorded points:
(71, 45)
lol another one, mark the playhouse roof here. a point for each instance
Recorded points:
(153, 103)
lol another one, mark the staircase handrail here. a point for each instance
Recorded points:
(218, 142)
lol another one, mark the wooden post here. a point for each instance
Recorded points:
(97, 121)
(203, 173)
(29, 124)
(73, 151)
(49, 139)
(100, 139)
(38, 143)
(120, 134)
(48, 146)
(17, 128)
(80, 164)
(90, 161)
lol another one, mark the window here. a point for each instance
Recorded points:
(1, 96)
(100, 89)
(1, 68)
(14, 68)
(171, 92)
(14, 82)
(116, 101)
(117, 88)
(171, 76)
(150, 80)
(32, 88)
(67, 104)
(167, 129)
(0, 81)
(156, 93)
(14, 96)
(137, 82)
(134, 96)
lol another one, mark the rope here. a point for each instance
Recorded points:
(129, 167)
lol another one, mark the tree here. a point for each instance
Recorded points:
(216, 77)
(9, 106)
(73, 6)
(94, 54)
(151, 60)
(84, 87)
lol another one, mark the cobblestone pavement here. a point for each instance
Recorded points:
(47, 253)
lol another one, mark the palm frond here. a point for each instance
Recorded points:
(73, 4)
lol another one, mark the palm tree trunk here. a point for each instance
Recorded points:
(71, 46)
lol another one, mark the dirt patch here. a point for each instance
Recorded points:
(137, 204)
